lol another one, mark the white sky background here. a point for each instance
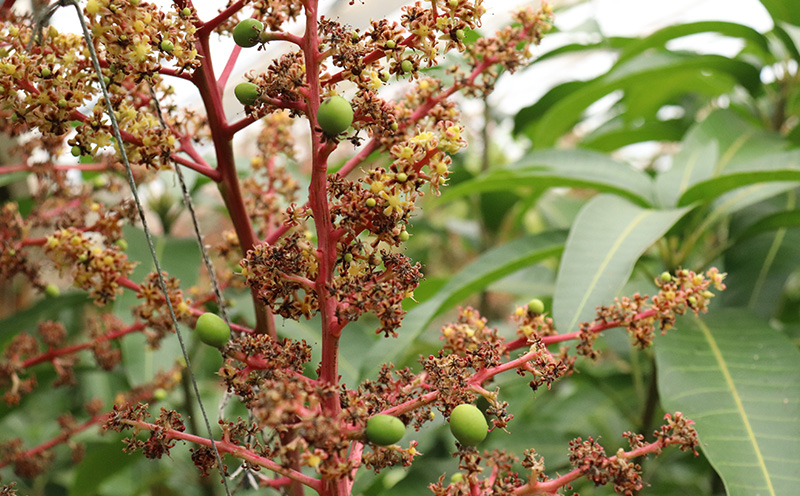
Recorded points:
(573, 18)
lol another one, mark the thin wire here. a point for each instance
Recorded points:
(206, 260)
(187, 199)
(124, 156)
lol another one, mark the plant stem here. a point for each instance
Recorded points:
(226, 165)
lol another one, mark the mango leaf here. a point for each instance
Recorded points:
(739, 147)
(783, 10)
(64, 308)
(12, 177)
(787, 41)
(693, 163)
(102, 461)
(660, 38)
(606, 240)
(529, 115)
(552, 168)
(614, 137)
(789, 218)
(737, 378)
(773, 168)
(758, 268)
(609, 43)
(643, 71)
(489, 267)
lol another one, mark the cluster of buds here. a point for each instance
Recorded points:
(94, 268)
(641, 316)
(154, 309)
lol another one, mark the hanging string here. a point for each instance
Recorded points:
(208, 263)
(148, 235)
(187, 199)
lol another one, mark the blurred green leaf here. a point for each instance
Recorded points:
(178, 258)
(779, 167)
(758, 268)
(644, 71)
(619, 134)
(606, 240)
(59, 309)
(660, 38)
(553, 168)
(102, 460)
(737, 378)
(12, 177)
(789, 218)
(783, 10)
(530, 115)
(693, 163)
(608, 43)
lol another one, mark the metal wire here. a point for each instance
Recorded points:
(148, 235)
(188, 201)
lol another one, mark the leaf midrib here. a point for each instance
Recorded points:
(737, 400)
(614, 249)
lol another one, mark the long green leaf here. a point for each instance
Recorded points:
(788, 218)
(737, 378)
(662, 36)
(608, 237)
(758, 269)
(12, 177)
(783, 10)
(639, 72)
(529, 115)
(692, 164)
(488, 268)
(714, 187)
(552, 168)
(613, 138)
(610, 43)
(739, 147)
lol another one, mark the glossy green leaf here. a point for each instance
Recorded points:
(486, 269)
(783, 10)
(779, 220)
(787, 41)
(714, 187)
(606, 240)
(723, 142)
(529, 115)
(613, 138)
(758, 268)
(553, 168)
(662, 36)
(642, 71)
(692, 164)
(737, 378)
(610, 43)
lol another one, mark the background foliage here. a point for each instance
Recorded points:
(573, 224)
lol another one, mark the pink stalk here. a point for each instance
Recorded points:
(57, 352)
(227, 447)
(226, 72)
(552, 486)
(229, 187)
